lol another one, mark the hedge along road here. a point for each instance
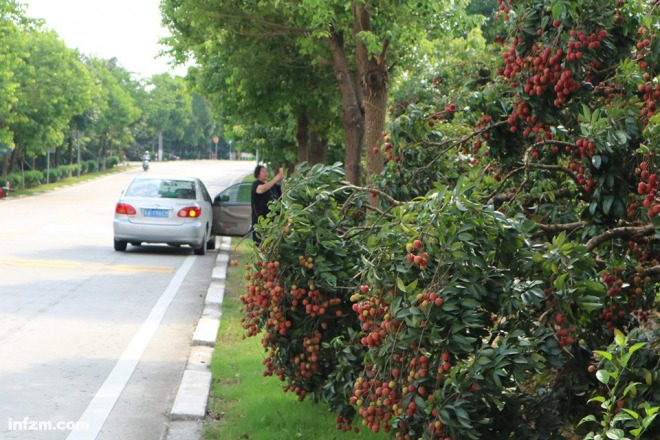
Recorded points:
(93, 342)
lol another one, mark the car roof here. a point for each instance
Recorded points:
(165, 177)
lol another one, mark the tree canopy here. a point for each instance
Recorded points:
(53, 97)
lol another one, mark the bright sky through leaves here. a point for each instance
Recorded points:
(125, 29)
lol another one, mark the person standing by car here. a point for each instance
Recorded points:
(261, 195)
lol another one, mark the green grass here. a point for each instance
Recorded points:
(65, 182)
(246, 405)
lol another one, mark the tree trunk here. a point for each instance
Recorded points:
(100, 157)
(351, 114)
(69, 150)
(5, 167)
(375, 82)
(302, 137)
(319, 148)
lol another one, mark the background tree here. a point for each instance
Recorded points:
(248, 75)
(321, 31)
(11, 18)
(115, 109)
(53, 87)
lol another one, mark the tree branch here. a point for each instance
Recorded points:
(626, 232)
(561, 227)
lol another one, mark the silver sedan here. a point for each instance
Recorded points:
(173, 210)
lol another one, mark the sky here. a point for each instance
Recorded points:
(124, 29)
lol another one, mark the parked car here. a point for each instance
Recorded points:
(232, 211)
(173, 210)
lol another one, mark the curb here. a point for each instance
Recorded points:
(192, 397)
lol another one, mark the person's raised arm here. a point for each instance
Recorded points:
(268, 185)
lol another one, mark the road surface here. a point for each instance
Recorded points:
(93, 342)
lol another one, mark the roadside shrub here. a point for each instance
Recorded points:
(90, 166)
(33, 178)
(68, 170)
(621, 406)
(52, 174)
(111, 161)
(15, 180)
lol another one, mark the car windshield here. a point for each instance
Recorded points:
(162, 188)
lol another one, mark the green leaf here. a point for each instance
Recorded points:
(450, 306)
(589, 418)
(621, 136)
(619, 337)
(648, 420)
(607, 203)
(630, 387)
(590, 303)
(615, 434)
(622, 417)
(603, 376)
(604, 354)
(651, 410)
(558, 10)
(636, 347)
(631, 413)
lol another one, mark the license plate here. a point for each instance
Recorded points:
(161, 213)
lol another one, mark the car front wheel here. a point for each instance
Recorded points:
(120, 246)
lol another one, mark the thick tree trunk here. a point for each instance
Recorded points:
(351, 112)
(319, 148)
(375, 83)
(302, 136)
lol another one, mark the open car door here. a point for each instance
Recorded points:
(232, 211)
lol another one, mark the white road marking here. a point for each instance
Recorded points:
(99, 408)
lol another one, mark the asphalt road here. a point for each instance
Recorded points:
(93, 342)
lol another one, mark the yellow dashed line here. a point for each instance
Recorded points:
(78, 265)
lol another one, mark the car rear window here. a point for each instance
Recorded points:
(162, 188)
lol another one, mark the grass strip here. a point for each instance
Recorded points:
(66, 181)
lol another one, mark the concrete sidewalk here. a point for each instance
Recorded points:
(189, 407)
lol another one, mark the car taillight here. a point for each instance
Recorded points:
(124, 208)
(190, 212)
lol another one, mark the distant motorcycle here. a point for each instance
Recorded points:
(145, 164)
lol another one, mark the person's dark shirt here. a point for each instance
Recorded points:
(259, 202)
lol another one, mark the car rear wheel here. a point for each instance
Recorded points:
(201, 250)
(120, 246)
(211, 243)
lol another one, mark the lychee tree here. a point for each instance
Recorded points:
(516, 235)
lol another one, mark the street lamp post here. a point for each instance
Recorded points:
(48, 152)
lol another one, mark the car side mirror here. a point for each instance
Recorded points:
(220, 198)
